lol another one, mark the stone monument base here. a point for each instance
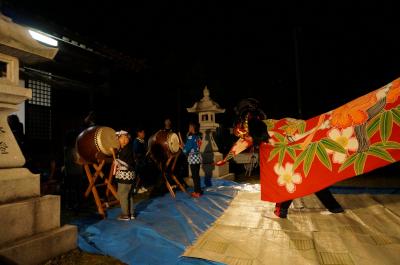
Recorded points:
(30, 225)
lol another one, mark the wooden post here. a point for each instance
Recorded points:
(107, 182)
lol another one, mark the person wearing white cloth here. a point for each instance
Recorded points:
(125, 176)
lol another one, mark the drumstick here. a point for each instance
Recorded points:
(115, 160)
(113, 153)
(180, 139)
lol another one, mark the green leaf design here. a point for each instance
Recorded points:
(291, 152)
(296, 147)
(360, 163)
(300, 158)
(270, 124)
(349, 160)
(279, 136)
(302, 127)
(388, 145)
(309, 158)
(323, 156)
(385, 125)
(273, 153)
(283, 127)
(281, 155)
(332, 145)
(380, 153)
(396, 116)
(373, 126)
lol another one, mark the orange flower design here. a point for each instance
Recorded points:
(394, 91)
(354, 112)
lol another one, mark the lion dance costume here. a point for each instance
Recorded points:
(300, 157)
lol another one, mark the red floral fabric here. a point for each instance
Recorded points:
(303, 157)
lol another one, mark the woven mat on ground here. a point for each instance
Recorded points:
(367, 233)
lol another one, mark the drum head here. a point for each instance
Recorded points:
(173, 142)
(106, 139)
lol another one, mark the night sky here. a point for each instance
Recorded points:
(241, 50)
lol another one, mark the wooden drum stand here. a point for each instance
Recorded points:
(107, 182)
(164, 174)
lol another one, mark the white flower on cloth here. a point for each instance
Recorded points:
(345, 138)
(286, 176)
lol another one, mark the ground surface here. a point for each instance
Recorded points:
(88, 209)
(78, 257)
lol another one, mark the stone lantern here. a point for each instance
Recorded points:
(206, 109)
(30, 231)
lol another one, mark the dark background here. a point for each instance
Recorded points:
(299, 59)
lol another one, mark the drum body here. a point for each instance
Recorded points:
(163, 145)
(169, 141)
(96, 142)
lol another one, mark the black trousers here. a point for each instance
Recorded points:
(325, 196)
(195, 168)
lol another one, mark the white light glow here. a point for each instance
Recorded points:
(43, 38)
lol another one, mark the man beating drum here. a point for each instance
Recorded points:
(125, 176)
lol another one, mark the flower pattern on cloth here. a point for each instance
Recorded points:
(346, 139)
(353, 139)
(286, 177)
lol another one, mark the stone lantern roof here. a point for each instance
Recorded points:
(206, 104)
(16, 41)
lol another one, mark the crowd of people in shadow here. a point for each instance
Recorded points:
(149, 183)
(68, 178)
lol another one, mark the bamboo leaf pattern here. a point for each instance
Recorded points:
(291, 152)
(380, 153)
(273, 153)
(396, 116)
(270, 124)
(388, 145)
(360, 163)
(302, 127)
(281, 155)
(373, 126)
(279, 136)
(332, 145)
(296, 147)
(385, 125)
(323, 156)
(300, 158)
(348, 162)
(309, 158)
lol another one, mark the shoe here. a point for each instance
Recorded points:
(132, 217)
(196, 195)
(124, 217)
(142, 190)
(337, 210)
(328, 212)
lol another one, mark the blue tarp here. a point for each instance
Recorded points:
(164, 227)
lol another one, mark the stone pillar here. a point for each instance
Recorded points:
(211, 155)
(10, 153)
(30, 231)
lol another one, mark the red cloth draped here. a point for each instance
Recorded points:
(303, 157)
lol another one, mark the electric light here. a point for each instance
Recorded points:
(43, 38)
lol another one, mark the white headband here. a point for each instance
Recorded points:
(122, 132)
